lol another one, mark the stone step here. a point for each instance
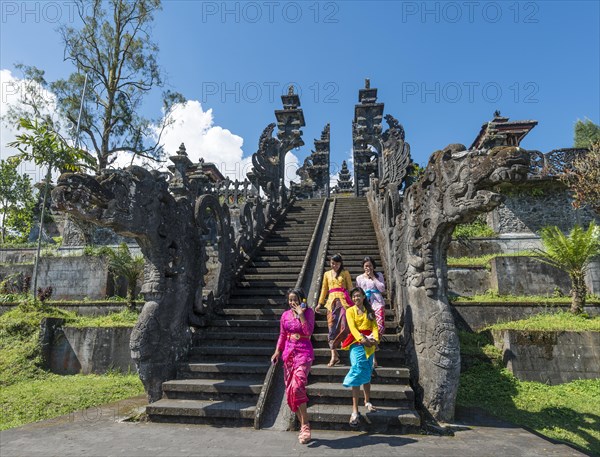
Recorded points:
(253, 313)
(271, 276)
(292, 235)
(244, 323)
(284, 244)
(327, 416)
(245, 350)
(249, 386)
(347, 248)
(233, 368)
(362, 240)
(390, 325)
(202, 411)
(256, 301)
(386, 357)
(258, 291)
(265, 284)
(392, 374)
(393, 338)
(382, 392)
(275, 257)
(234, 337)
(294, 250)
(281, 267)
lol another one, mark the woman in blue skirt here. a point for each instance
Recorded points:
(361, 342)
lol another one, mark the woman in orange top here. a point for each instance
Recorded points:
(335, 287)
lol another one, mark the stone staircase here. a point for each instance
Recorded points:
(352, 234)
(220, 382)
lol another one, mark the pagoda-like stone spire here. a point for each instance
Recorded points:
(344, 183)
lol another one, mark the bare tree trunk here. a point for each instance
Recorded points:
(39, 243)
(578, 292)
(131, 295)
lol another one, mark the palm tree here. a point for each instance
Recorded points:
(572, 254)
(122, 263)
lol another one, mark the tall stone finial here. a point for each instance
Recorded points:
(497, 113)
(367, 83)
(182, 151)
(291, 90)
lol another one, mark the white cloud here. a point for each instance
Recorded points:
(12, 92)
(195, 128)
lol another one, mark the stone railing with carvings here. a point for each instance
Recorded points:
(554, 163)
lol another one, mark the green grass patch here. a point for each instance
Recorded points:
(559, 321)
(54, 395)
(493, 297)
(566, 412)
(484, 260)
(125, 318)
(477, 229)
(28, 393)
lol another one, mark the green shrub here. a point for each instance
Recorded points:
(477, 229)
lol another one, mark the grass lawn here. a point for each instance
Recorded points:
(28, 393)
(559, 321)
(568, 412)
(53, 395)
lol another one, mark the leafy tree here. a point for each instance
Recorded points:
(583, 178)
(115, 60)
(122, 263)
(586, 133)
(16, 201)
(47, 148)
(572, 254)
(114, 50)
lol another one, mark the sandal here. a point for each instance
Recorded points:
(304, 436)
(354, 420)
(370, 407)
(334, 362)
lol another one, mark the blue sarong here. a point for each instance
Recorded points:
(361, 367)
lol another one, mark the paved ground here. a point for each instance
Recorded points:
(102, 432)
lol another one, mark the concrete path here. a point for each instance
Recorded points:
(102, 431)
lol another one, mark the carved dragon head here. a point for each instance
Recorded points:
(114, 199)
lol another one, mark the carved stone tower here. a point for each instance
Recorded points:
(366, 137)
(344, 183)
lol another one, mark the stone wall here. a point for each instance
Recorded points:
(550, 357)
(9, 269)
(504, 244)
(89, 350)
(476, 316)
(75, 278)
(520, 275)
(23, 255)
(468, 281)
(532, 205)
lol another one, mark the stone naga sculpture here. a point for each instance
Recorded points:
(415, 223)
(456, 187)
(137, 203)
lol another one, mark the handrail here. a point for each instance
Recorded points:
(311, 246)
(325, 247)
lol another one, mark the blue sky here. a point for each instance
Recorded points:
(441, 68)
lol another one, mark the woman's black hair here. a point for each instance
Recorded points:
(298, 292)
(370, 259)
(338, 258)
(368, 307)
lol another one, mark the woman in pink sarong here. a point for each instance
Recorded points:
(295, 348)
